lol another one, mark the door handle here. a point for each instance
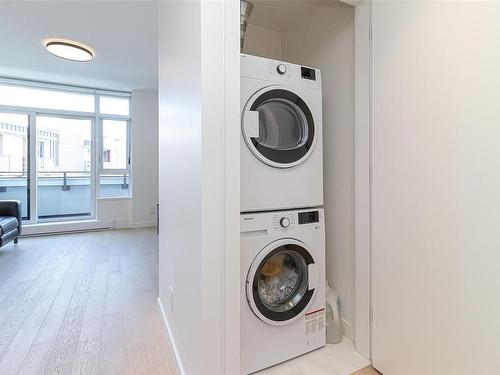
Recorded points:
(251, 124)
(312, 275)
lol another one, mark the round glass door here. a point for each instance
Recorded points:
(279, 282)
(285, 129)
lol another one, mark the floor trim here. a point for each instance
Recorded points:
(170, 338)
(143, 224)
(65, 226)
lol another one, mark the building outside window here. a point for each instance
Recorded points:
(80, 140)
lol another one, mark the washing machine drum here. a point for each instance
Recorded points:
(278, 282)
(278, 128)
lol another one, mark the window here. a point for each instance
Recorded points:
(114, 105)
(114, 178)
(65, 188)
(78, 140)
(34, 97)
(114, 143)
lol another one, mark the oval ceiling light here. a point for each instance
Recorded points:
(69, 50)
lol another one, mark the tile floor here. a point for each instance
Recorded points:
(338, 359)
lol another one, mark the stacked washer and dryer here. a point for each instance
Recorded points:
(282, 222)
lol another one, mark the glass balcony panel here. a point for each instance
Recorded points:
(115, 185)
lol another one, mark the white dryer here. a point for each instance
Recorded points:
(281, 135)
(283, 286)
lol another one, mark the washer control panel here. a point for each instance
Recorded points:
(278, 223)
(284, 221)
(289, 220)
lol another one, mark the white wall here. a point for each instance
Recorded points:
(261, 41)
(144, 132)
(115, 211)
(199, 183)
(180, 166)
(362, 258)
(324, 38)
(436, 183)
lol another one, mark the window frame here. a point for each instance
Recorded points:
(93, 171)
(101, 117)
(96, 141)
(101, 148)
(30, 150)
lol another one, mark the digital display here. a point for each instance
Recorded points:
(308, 217)
(308, 73)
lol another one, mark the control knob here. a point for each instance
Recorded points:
(281, 68)
(285, 222)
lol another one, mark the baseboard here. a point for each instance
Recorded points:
(170, 337)
(81, 226)
(143, 224)
(65, 227)
(127, 223)
(348, 329)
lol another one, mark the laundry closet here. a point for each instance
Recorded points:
(313, 35)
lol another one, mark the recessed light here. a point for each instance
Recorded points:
(69, 50)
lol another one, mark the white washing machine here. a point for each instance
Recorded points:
(283, 286)
(281, 135)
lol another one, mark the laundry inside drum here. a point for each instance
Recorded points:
(282, 281)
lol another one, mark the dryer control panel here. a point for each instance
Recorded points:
(279, 72)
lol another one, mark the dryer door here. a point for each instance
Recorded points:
(278, 127)
(281, 282)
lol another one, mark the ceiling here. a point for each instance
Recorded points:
(124, 35)
(279, 15)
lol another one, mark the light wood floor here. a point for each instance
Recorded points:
(82, 304)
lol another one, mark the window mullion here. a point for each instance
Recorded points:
(33, 176)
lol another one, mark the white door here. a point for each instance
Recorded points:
(436, 187)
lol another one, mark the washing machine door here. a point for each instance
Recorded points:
(278, 127)
(281, 282)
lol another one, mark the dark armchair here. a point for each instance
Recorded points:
(10, 221)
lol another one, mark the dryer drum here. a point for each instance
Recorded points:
(286, 128)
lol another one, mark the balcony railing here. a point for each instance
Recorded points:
(61, 193)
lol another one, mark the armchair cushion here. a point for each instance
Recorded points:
(11, 208)
(7, 224)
